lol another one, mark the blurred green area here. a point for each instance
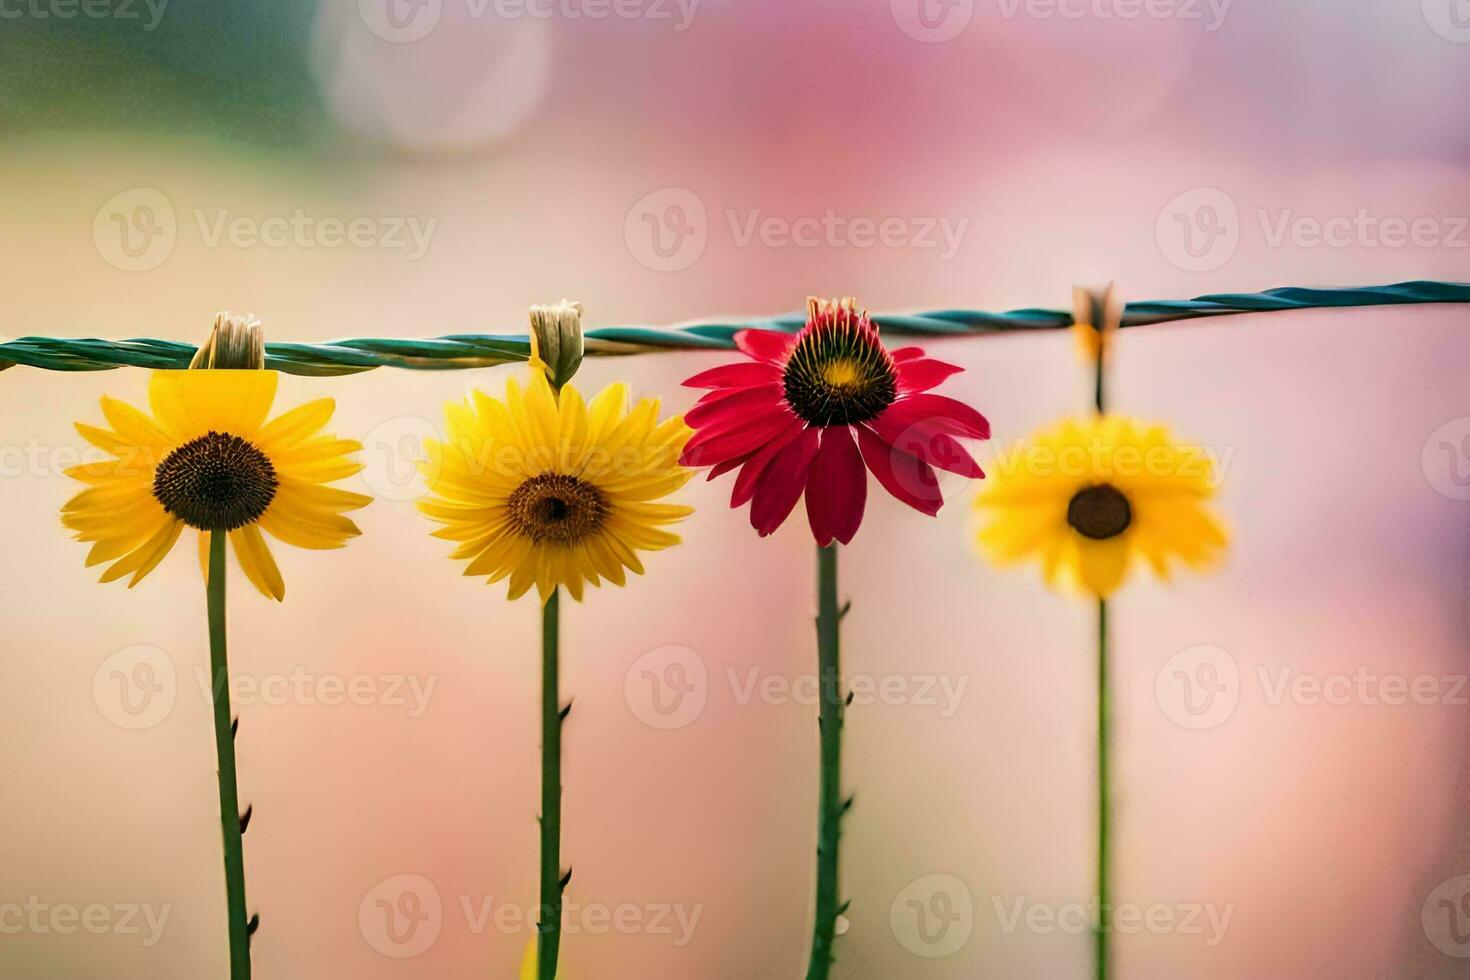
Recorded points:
(237, 71)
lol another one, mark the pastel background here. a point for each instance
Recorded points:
(159, 163)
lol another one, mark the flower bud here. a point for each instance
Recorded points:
(556, 340)
(234, 343)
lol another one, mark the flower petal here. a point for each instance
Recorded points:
(712, 447)
(837, 487)
(908, 478)
(926, 442)
(255, 558)
(921, 374)
(770, 346)
(190, 403)
(741, 374)
(945, 414)
(780, 485)
(737, 405)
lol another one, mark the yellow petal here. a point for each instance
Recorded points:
(188, 404)
(295, 426)
(256, 561)
(1101, 565)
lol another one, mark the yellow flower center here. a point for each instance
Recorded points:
(217, 482)
(557, 508)
(1099, 512)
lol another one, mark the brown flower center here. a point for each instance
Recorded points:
(839, 373)
(1099, 512)
(557, 508)
(217, 482)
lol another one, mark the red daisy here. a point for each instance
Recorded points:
(810, 412)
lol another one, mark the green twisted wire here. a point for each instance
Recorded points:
(457, 351)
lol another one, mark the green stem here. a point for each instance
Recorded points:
(224, 746)
(1102, 934)
(830, 804)
(552, 882)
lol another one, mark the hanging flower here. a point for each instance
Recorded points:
(207, 459)
(549, 490)
(812, 413)
(1086, 497)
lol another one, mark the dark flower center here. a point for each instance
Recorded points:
(1099, 512)
(217, 482)
(557, 508)
(839, 373)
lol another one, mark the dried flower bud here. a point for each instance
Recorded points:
(556, 340)
(234, 343)
(1096, 314)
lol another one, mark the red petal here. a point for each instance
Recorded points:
(770, 346)
(901, 354)
(941, 413)
(742, 374)
(837, 488)
(924, 373)
(728, 465)
(742, 403)
(779, 487)
(757, 462)
(909, 479)
(926, 441)
(711, 447)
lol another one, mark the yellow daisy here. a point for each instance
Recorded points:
(1087, 496)
(548, 490)
(207, 459)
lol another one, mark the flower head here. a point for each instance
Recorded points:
(207, 459)
(1087, 497)
(548, 490)
(812, 413)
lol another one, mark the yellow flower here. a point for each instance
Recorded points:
(549, 490)
(207, 458)
(1086, 497)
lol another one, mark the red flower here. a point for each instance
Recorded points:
(811, 412)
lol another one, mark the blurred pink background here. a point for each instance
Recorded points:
(659, 168)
